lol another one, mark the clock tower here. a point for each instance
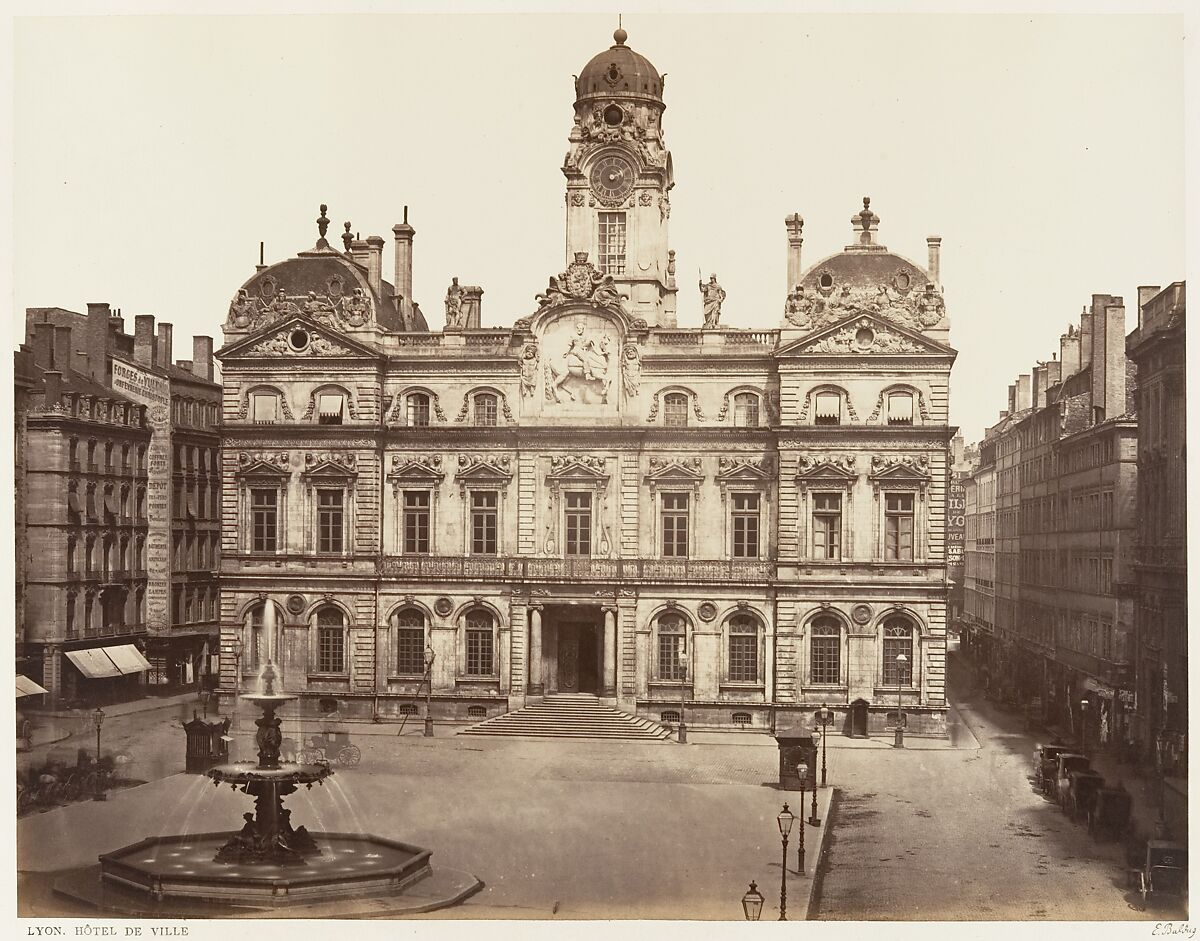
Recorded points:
(619, 178)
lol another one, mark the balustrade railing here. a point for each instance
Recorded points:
(594, 569)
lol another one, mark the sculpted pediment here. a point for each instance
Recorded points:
(900, 468)
(864, 334)
(756, 469)
(424, 468)
(674, 470)
(341, 464)
(484, 468)
(264, 464)
(576, 467)
(298, 337)
(817, 470)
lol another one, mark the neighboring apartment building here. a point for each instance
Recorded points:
(1063, 458)
(1160, 569)
(94, 531)
(593, 499)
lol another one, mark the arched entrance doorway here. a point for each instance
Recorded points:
(859, 711)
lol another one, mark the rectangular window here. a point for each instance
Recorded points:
(827, 526)
(745, 525)
(416, 521)
(579, 524)
(828, 410)
(483, 522)
(418, 409)
(670, 656)
(330, 408)
(264, 408)
(898, 535)
(410, 651)
(675, 525)
(480, 654)
(331, 651)
(330, 512)
(612, 243)
(675, 410)
(826, 659)
(264, 520)
(743, 651)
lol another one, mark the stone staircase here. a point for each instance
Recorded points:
(571, 715)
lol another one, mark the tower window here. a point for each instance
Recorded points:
(613, 116)
(612, 243)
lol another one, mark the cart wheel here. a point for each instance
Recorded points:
(350, 755)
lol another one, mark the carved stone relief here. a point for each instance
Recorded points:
(336, 309)
(863, 336)
(810, 462)
(346, 459)
(280, 459)
(581, 281)
(809, 308)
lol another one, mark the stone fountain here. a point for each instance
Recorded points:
(269, 863)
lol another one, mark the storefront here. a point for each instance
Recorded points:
(115, 673)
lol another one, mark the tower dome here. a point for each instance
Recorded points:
(619, 72)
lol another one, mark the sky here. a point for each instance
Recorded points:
(153, 154)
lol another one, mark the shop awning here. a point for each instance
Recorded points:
(93, 663)
(27, 687)
(1098, 687)
(128, 658)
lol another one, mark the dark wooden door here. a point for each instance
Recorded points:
(858, 718)
(568, 658)
(589, 660)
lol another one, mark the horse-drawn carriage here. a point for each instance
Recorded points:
(1163, 874)
(330, 746)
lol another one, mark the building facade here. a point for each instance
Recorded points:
(1050, 622)
(94, 529)
(1157, 346)
(737, 525)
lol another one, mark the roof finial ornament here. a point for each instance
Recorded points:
(620, 35)
(347, 238)
(863, 221)
(322, 227)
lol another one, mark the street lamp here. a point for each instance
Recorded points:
(97, 721)
(430, 656)
(802, 774)
(824, 716)
(813, 819)
(785, 820)
(752, 903)
(1083, 725)
(683, 669)
(205, 696)
(236, 648)
(901, 663)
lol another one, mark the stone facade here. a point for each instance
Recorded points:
(94, 529)
(738, 524)
(1160, 567)
(1050, 521)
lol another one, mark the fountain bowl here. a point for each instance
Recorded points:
(180, 868)
(244, 772)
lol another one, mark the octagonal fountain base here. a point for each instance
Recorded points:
(355, 875)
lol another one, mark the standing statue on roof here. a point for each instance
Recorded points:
(454, 305)
(713, 296)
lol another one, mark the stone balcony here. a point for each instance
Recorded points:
(575, 569)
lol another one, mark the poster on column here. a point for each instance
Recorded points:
(145, 388)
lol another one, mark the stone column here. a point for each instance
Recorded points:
(610, 652)
(536, 686)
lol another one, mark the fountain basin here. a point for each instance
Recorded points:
(181, 867)
(244, 772)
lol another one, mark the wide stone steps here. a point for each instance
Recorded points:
(571, 716)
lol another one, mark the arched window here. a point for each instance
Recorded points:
(418, 409)
(480, 647)
(675, 410)
(825, 651)
(264, 407)
(672, 647)
(828, 409)
(745, 410)
(485, 409)
(900, 408)
(409, 624)
(897, 642)
(331, 407)
(331, 640)
(743, 649)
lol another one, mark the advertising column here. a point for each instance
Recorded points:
(145, 388)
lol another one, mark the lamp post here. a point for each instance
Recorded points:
(236, 647)
(430, 656)
(824, 716)
(205, 696)
(1083, 725)
(97, 721)
(813, 819)
(683, 671)
(752, 903)
(901, 663)
(785, 820)
(802, 774)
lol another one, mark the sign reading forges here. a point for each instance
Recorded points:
(154, 392)
(956, 523)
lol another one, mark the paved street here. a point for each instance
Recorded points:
(605, 829)
(964, 835)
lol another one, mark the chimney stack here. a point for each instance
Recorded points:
(795, 231)
(64, 343)
(53, 394)
(1146, 293)
(473, 307)
(202, 357)
(165, 343)
(116, 323)
(1108, 356)
(1085, 339)
(43, 344)
(404, 265)
(81, 362)
(1068, 353)
(145, 350)
(97, 341)
(1012, 399)
(375, 263)
(1039, 385)
(935, 257)
(1024, 393)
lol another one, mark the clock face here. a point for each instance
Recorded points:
(612, 178)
